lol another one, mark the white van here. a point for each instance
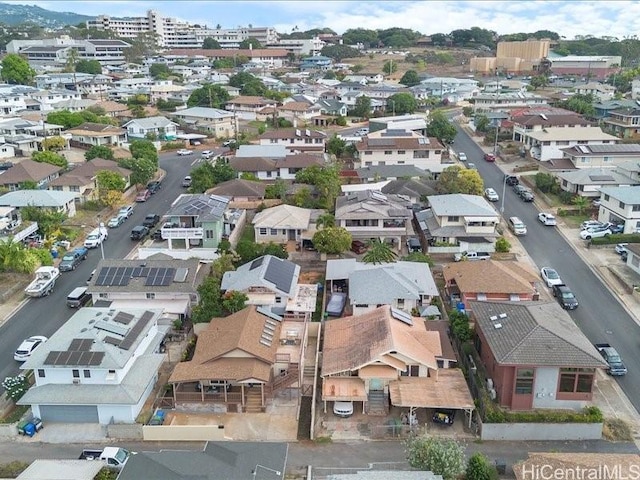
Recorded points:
(96, 237)
(517, 226)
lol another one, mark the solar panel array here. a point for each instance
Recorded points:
(74, 358)
(80, 345)
(124, 318)
(121, 276)
(280, 273)
(128, 340)
(256, 263)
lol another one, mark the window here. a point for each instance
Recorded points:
(576, 380)
(454, 218)
(411, 371)
(103, 295)
(75, 373)
(524, 381)
(621, 205)
(40, 373)
(400, 303)
(635, 208)
(262, 231)
(481, 297)
(151, 296)
(606, 159)
(274, 231)
(388, 152)
(278, 299)
(86, 373)
(401, 152)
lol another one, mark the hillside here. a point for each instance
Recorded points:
(17, 14)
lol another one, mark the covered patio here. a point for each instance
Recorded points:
(447, 390)
(343, 389)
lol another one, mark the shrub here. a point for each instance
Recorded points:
(479, 468)
(502, 245)
(172, 146)
(16, 386)
(460, 325)
(565, 197)
(494, 414)
(617, 238)
(43, 255)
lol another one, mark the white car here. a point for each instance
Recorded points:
(491, 195)
(471, 166)
(184, 151)
(206, 154)
(550, 277)
(343, 409)
(547, 219)
(126, 211)
(462, 156)
(589, 234)
(590, 224)
(27, 347)
(621, 248)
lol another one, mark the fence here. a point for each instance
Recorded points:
(395, 431)
(470, 369)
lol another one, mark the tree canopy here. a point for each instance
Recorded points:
(144, 149)
(455, 179)
(248, 43)
(362, 108)
(401, 103)
(98, 151)
(207, 175)
(248, 84)
(326, 180)
(332, 240)
(340, 52)
(440, 127)
(212, 96)
(159, 71)
(16, 70)
(50, 157)
(142, 169)
(88, 66)
(410, 78)
(73, 119)
(210, 44)
(442, 456)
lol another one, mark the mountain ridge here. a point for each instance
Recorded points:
(12, 14)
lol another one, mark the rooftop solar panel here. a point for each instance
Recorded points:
(123, 317)
(112, 340)
(131, 337)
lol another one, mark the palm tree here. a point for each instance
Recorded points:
(379, 252)
(580, 202)
(326, 220)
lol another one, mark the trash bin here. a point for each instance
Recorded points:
(54, 253)
(30, 429)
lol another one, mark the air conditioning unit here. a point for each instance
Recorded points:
(76, 381)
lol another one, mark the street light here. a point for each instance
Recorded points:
(100, 227)
(254, 472)
(504, 190)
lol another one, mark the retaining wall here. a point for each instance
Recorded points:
(125, 431)
(185, 433)
(541, 431)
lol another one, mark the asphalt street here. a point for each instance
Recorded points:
(43, 316)
(600, 315)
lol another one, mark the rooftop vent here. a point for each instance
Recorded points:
(503, 315)
(497, 326)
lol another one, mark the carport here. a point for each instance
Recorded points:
(343, 389)
(446, 390)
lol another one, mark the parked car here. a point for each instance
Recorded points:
(72, 259)
(489, 157)
(343, 409)
(526, 195)
(143, 196)
(153, 187)
(27, 347)
(184, 151)
(78, 297)
(116, 221)
(621, 248)
(462, 156)
(590, 224)
(511, 180)
(613, 359)
(206, 154)
(228, 143)
(518, 189)
(550, 277)
(126, 211)
(358, 247)
(547, 219)
(491, 195)
(565, 296)
(413, 245)
(139, 232)
(151, 220)
(471, 166)
(186, 182)
(616, 228)
(471, 256)
(596, 233)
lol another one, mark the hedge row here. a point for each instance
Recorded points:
(587, 415)
(617, 238)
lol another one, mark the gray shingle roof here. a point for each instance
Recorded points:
(534, 333)
(151, 122)
(386, 171)
(38, 198)
(596, 176)
(629, 195)
(271, 272)
(458, 204)
(207, 208)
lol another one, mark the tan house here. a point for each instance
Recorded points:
(298, 112)
(240, 361)
(247, 107)
(220, 123)
(90, 134)
(239, 190)
(490, 280)
(284, 223)
(29, 171)
(114, 109)
(295, 140)
(387, 357)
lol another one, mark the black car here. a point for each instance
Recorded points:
(157, 235)
(151, 220)
(139, 232)
(153, 187)
(565, 296)
(526, 196)
(512, 180)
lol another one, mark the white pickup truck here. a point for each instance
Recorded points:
(96, 237)
(113, 457)
(43, 284)
(471, 256)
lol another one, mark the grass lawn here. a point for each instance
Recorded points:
(574, 221)
(248, 234)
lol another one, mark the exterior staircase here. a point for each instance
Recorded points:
(253, 400)
(377, 403)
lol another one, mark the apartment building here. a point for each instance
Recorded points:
(55, 51)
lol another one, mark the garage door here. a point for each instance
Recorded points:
(69, 413)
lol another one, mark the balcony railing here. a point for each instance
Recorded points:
(182, 233)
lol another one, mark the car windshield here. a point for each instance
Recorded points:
(568, 295)
(67, 258)
(614, 359)
(122, 455)
(552, 274)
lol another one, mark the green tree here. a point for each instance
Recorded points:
(332, 240)
(212, 96)
(110, 180)
(389, 67)
(252, 177)
(92, 67)
(303, 198)
(442, 456)
(16, 386)
(441, 128)
(278, 190)
(248, 84)
(28, 185)
(581, 203)
(362, 108)
(53, 144)
(326, 180)
(482, 122)
(210, 44)
(144, 149)
(48, 220)
(401, 103)
(379, 252)
(479, 468)
(71, 62)
(460, 325)
(99, 151)
(326, 220)
(545, 182)
(339, 52)
(582, 104)
(234, 301)
(502, 245)
(207, 175)
(159, 70)
(410, 78)
(50, 157)
(16, 70)
(354, 36)
(210, 305)
(14, 257)
(142, 169)
(539, 81)
(455, 179)
(418, 257)
(336, 146)
(250, 43)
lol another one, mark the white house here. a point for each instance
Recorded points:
(295, 140)
(284, 223)
(548, 144)
(621, 205)
(63, 202)
(100, 366)
(159, 127)
(220, 123)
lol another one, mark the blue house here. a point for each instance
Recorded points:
(316, 63)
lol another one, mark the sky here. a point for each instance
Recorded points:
(568, 18)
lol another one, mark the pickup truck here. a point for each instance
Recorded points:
(151, 220)
(96, 237)
(565, 296)
(43, 284)
(113, 457)
(613, 359)
(72, 259)
(471, 256)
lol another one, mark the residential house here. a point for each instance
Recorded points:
(162, 283)
(247, 107)
(28, 171)
(63, 202)
(47, 98)
(390, 172)
(285, 223)
(56, 51)
(540, 119)
(82, 180)
(211, 461)
(75, 105)
(606, 156)
(465, 222)
(603, 109)
(268, 281)
(398, 365)
(600, 91)
(113, 109)
(507, 101)
(548, 144)
(621, 205)
(316, 62)
(382, 91)
(268, 57)
(195, 220)
(220, 123)
(6, 150)
(298, 112)
(624, 123)
(155, 127)
(633, 257)
(491, 280)
(406, 286)
(588, 182)
(270, 168)
(631, 169)
(239, 190)
(295, 140)
(365, 78)
(12, 225)
(535, 354)
(368, 215)
(100, 366)
(90, 134)
(332, 107)
(416, 191)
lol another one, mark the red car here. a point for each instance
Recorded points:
(489, 157)
(143, 196)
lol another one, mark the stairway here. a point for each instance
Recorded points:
(377, 403)
(253, 400)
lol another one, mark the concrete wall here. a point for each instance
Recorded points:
(545, 387)
(541, 431)
(186, 433)
(132, 431)
(8, 430)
